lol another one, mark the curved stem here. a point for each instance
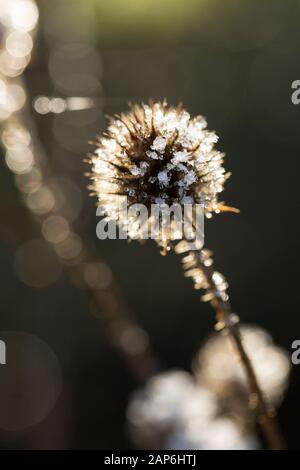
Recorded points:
(266, 415)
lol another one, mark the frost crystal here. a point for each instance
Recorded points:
(152, 155)
(163, 178)
(134, 170)
(190, 178)
(179, 157)
(159, 144)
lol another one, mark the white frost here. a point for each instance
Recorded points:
(159, 144)
(163, 178)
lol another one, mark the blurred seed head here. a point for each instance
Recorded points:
(218, 368)
(175, 412)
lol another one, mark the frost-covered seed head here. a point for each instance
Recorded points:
(158, 151)
(155, 152)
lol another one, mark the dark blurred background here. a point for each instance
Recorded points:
(234, 62)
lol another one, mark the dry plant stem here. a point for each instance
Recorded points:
(266, 415)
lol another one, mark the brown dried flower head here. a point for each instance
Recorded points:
(157, 154)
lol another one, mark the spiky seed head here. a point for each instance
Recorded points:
(157, 154)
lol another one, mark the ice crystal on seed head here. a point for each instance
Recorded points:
(159, 144)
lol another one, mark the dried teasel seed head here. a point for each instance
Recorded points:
(157, 154)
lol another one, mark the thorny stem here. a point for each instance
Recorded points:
(266, 415)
